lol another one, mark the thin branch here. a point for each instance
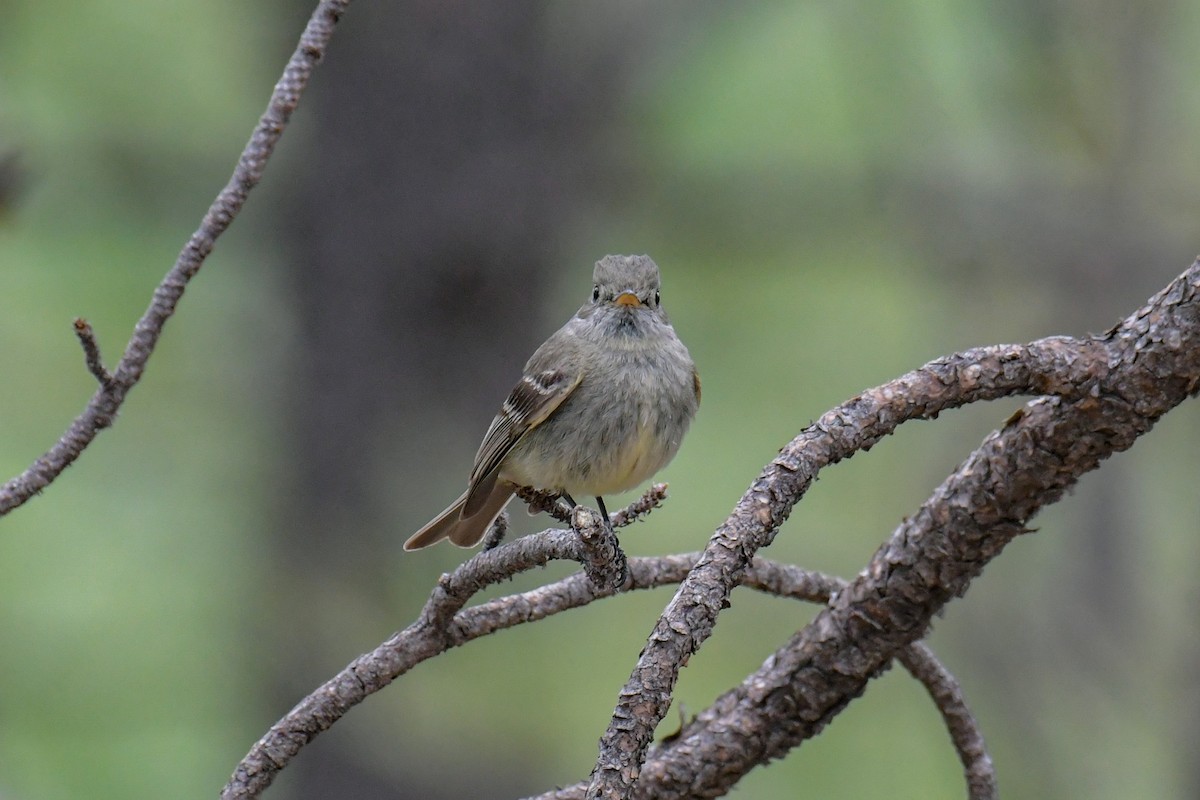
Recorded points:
(551, 503)
(438, 628)
(1151, 363)
(651, 499)
(91, 354)
(964, 731)
(557, 507)
(444, 624)
(102, 409)
(495, 535)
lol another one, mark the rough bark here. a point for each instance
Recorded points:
(1113, 388)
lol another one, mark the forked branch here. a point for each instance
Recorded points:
(444, 624)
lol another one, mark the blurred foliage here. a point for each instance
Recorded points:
(837, 192)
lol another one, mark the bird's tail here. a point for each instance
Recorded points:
(460, 530)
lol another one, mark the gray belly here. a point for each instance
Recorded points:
(609, 436)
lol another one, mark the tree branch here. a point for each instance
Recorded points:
(102, 409)
(444, 624)
(1059, 365)
(783, 580)
(556, 506)
(1112, 389)
(441, 625)
(1124, 381)
(1063, 365)
(788, 581)
(964, 731)
(91, 354)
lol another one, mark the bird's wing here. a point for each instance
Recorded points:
(532, 400)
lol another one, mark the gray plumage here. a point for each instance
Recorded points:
(601, 406)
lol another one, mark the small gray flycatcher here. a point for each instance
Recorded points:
(600, 407)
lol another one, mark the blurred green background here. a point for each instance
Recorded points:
(836, 193)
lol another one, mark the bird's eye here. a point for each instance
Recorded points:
(657, 297)
(595, 293)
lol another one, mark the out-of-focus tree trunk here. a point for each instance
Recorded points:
(451, 146)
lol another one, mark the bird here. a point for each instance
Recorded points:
(601, 406)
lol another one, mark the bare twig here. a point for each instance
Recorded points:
(557, 507)
(496, 533)
(102, 408)
(964, 731)
(604, 562)
(438, 628)
(443, 624)
(91, 353)
(551, 503)
(651, 499)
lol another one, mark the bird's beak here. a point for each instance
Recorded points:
(628, 299)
